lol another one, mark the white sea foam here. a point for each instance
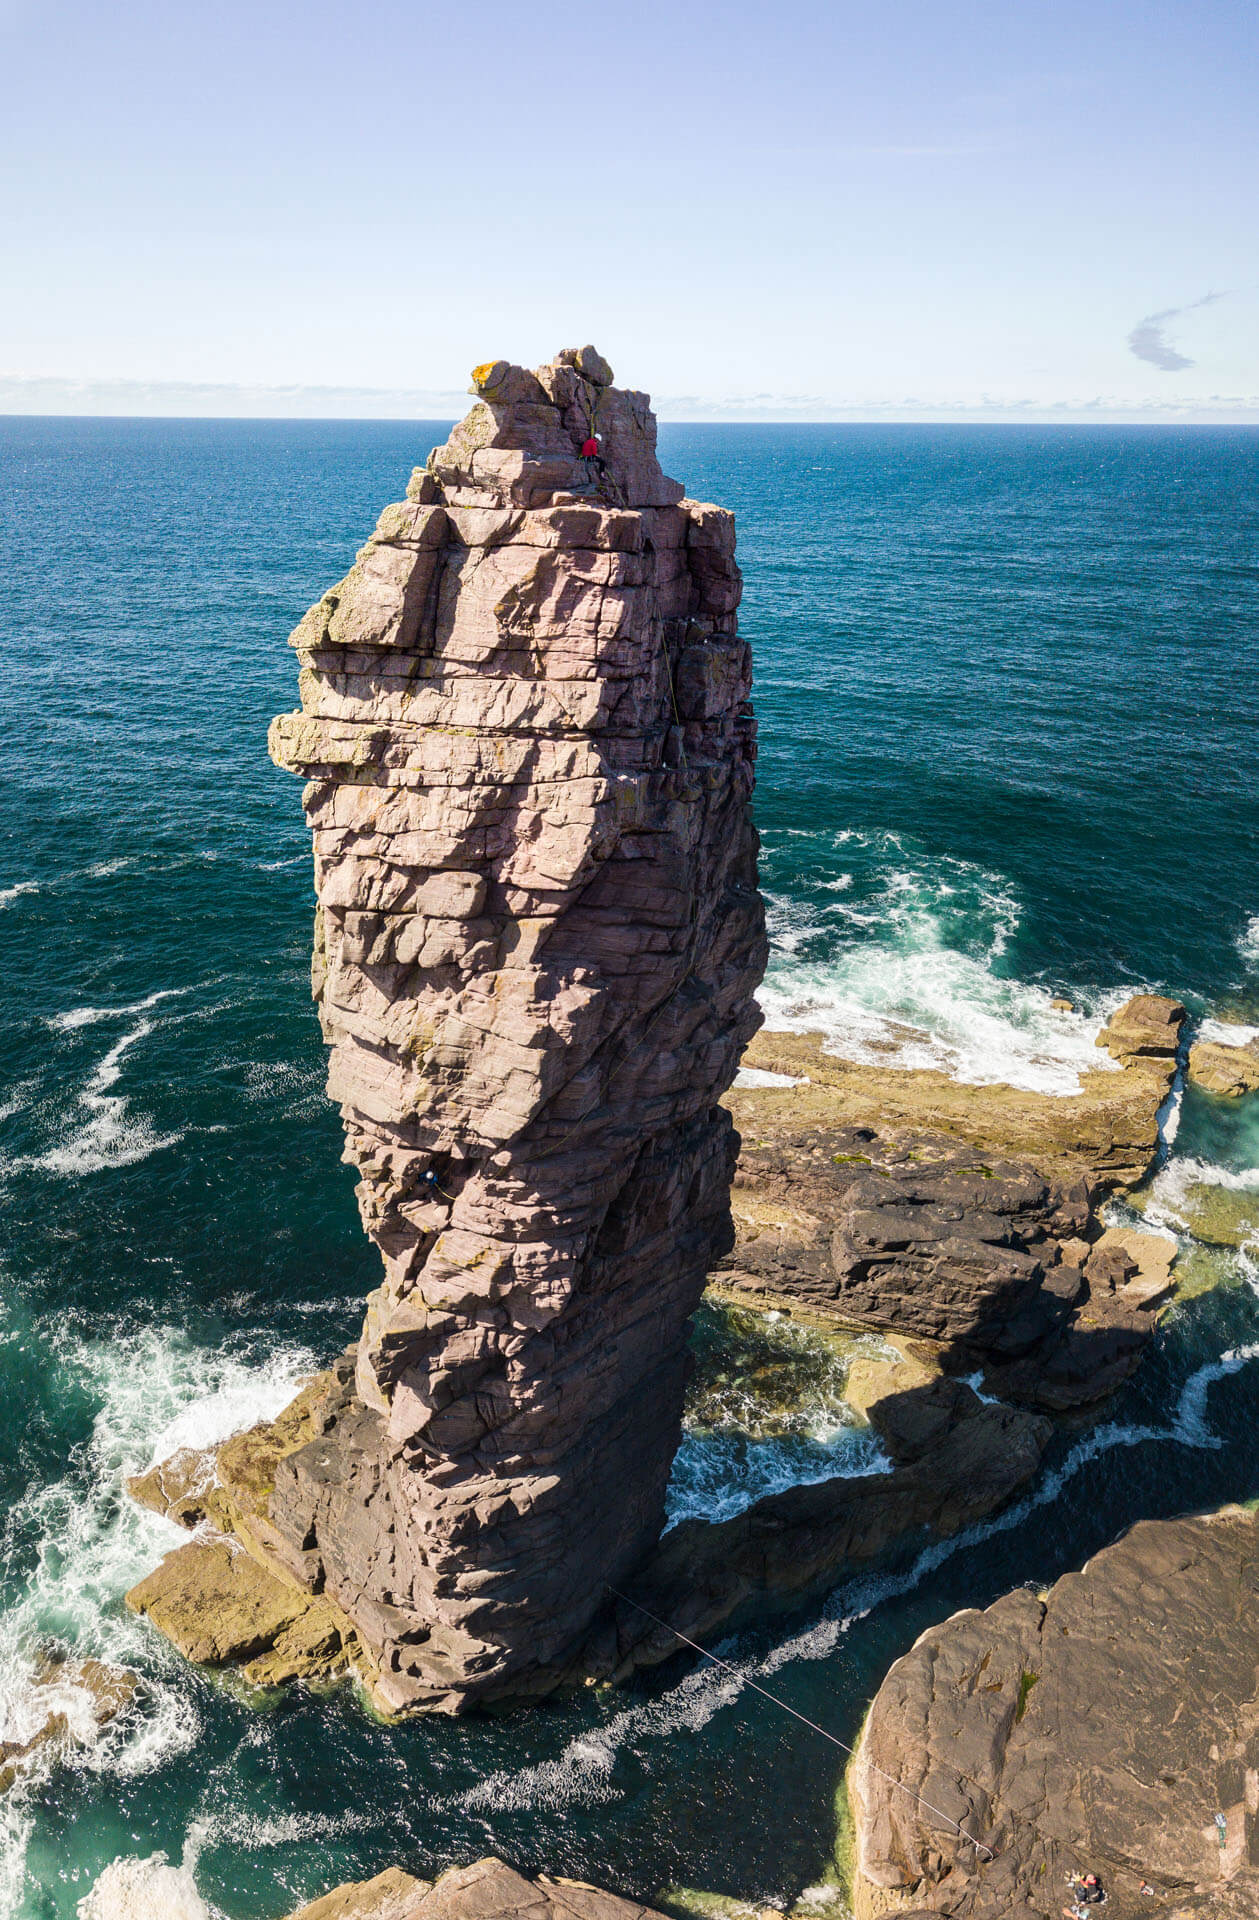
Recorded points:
(274, 866)
(717, 1475)
(1167, 1120)
(1248, 942)
(583, 1772)
(762, 1077)
(99, 1130)
(297, 1087)
(906, 971)
(1228, 1033)
(106, 1134)
(935, 1007)
(85, 1544)
(78, 1017)
(150, 1889)
(1170, 1203)
(9, 894)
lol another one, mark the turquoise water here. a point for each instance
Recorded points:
(1008, 683)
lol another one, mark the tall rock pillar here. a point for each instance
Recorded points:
(528, 747)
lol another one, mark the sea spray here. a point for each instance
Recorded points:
(84, 1543)
(904, 965)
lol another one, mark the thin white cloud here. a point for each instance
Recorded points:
(1148, 339)
(222, 400)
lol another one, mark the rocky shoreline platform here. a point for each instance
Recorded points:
(486, 1890)
(968, 1217)
(1109, 1725)
(963, 1223)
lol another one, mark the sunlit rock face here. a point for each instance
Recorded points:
(529, 753)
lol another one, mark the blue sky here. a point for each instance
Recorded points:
(915, 209)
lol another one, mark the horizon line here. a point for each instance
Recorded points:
(1050, 415)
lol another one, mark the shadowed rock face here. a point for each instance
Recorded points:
(529, 754)
(965, 1215)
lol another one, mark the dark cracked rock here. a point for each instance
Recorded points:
(967, 1216)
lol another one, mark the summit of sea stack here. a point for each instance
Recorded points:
(528, 749)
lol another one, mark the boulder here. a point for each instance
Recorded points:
(1109, 1725)
(1145, 1027)
(1227, 1070)
(487, 1890)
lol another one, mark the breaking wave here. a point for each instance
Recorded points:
(151, 1889)
(83, 1544)
(1248, 942)
(902, 965)
(766, 1410)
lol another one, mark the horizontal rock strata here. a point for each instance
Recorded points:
(1109, 1726)
(965, 1215)
(225, 1601)
(528, 751)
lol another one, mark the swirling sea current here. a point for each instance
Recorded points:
(1008, 687)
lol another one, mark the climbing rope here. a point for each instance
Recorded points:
(834, 1739)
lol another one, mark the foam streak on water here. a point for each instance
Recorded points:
(583, 1773)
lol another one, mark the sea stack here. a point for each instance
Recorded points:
(529, 753)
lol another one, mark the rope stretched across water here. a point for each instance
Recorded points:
(834, 1739)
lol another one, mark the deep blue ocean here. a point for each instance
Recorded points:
(1008, 686)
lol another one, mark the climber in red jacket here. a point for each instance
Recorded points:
(592, 461)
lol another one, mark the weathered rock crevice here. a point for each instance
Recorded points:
(972, 1217)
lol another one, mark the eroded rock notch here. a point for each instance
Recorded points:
(529, 753)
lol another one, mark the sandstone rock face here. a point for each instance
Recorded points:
(1145, 1027)
(1228, 1070)
(964, 1215)
(487, 1890)
(528, 747)
(1110, 1726)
